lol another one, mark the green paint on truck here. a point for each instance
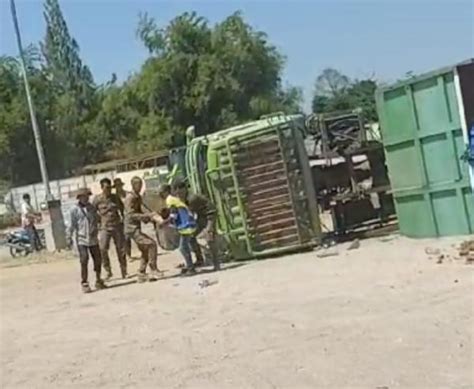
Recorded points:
(424, 122)
(259, 178)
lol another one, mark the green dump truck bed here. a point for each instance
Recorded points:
(259, 178)
(424, 122)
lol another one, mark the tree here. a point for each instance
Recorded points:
(18, 156)
(74, 91)
(332, 83)
(331, 91)
(210, 77)
(61, 55)
(362, 94)
(196, 74)
(336, 92)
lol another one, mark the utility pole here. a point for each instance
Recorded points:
(34, 123)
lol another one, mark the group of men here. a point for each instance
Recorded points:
(118, 217)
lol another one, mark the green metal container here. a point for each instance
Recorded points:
(424, 122)
(259, 178)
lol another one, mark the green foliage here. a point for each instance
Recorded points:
(211, 77)
(15, 130)
(61, 55)
(196, 74)
(336, 92)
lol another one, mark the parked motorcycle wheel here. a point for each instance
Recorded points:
(14, 252)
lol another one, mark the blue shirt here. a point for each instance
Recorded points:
(184, 219)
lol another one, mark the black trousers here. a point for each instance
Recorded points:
(128, 246)
(34, 237)
(84, 252)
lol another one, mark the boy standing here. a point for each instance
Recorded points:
(84, 225)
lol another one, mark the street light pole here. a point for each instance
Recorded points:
(34, 123)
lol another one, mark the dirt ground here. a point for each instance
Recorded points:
(381, 316)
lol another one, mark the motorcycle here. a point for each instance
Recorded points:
(19, 243)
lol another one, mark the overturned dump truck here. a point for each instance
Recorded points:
(349, 171)
(258, 176)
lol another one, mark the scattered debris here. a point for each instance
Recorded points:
(354, 245)
(206, 283)
(432, 251)
(327, 253)
(466, 249)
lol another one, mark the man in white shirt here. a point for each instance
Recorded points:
(28, 218)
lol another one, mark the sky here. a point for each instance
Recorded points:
(384, 39)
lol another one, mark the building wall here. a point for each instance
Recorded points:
(64, 189)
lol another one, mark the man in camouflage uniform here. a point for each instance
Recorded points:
(205, 213)
(110, 210)
(120, 192)
(134, 216)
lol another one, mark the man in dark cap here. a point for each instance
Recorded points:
(134, 216)
(109, 206)
(83, 225)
